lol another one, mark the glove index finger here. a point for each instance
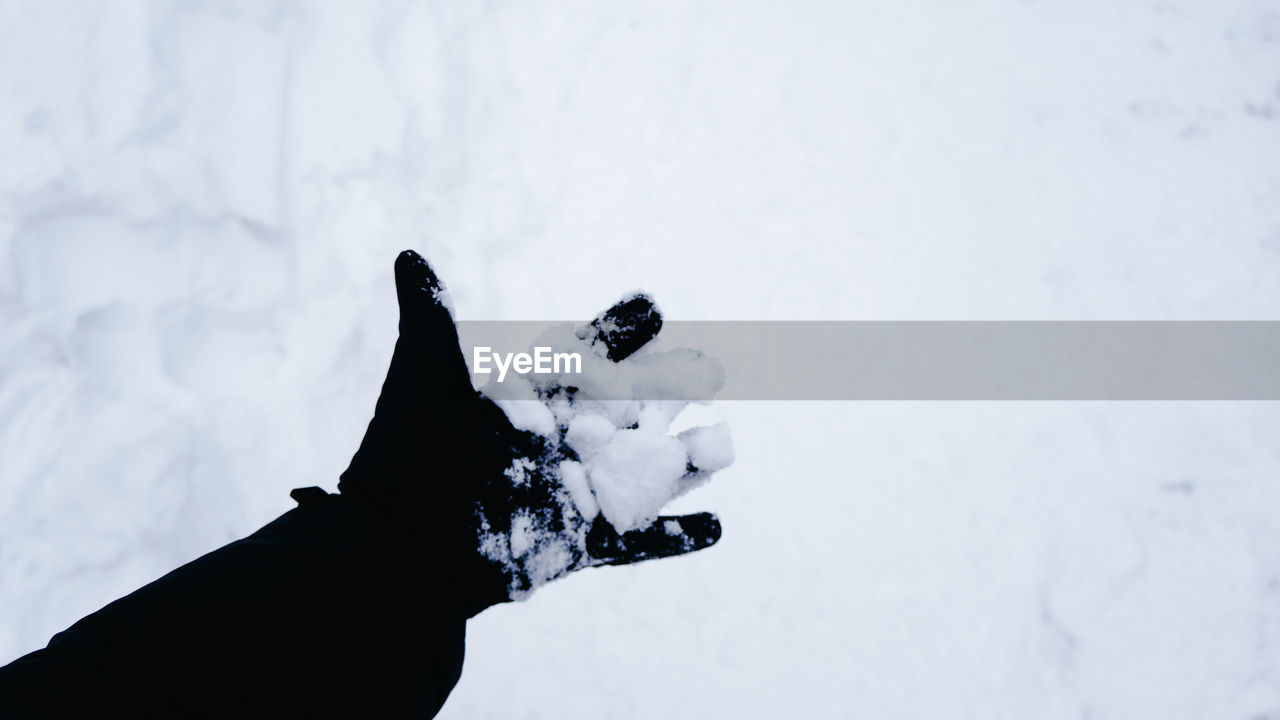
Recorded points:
(668, 536)
(625, 327)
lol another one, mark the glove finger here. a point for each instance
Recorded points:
(418, 289)
(418, 413)
(668, 536)
(625, 327)
(428, 341)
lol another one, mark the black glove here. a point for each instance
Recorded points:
(436, 465)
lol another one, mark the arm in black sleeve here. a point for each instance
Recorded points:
(313, 615)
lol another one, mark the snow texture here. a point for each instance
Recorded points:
(200, 205)
(613, 460)
(631, 465)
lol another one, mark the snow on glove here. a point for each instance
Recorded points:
(596, 463)
(567, 477)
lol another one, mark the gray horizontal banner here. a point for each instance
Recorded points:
(942, 360)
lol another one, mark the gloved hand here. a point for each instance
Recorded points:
(355, 604)
(444, 474)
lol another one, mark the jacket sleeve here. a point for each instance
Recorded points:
(305, 617)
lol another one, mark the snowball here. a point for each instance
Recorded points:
(588, 433)
(709, 448)
(656, 415)
(622, 413)
(678, 374)
(574, 477)
(635, 475)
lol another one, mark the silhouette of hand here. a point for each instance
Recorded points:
(508, 509)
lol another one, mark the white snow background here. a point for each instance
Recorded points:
(200, 205)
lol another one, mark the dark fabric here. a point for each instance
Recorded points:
(314, 615)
